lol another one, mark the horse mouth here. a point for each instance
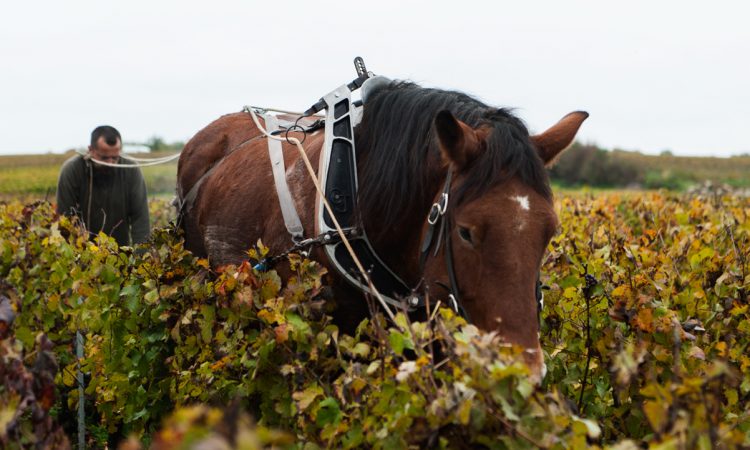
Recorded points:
(534, 358)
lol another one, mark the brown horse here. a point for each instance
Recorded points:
(500, 212)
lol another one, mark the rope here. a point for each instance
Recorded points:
(264, 110)
(163, 158)
(138, 161)
(294, 141)
(146, 162)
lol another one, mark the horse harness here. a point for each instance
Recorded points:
(338, 176)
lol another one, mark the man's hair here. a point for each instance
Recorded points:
(110, 135)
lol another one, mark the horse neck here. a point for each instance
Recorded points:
(399, 246)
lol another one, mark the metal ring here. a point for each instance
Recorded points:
(438, 209)
(434, 215)
(298, 128)
(443, 203)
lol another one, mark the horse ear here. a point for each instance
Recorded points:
(459, 143)
(559, 137)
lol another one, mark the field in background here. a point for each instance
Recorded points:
(734, 171)
(35, 176)
(589, 165)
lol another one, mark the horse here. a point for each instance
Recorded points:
(500, 216)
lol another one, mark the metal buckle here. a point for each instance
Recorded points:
(454, 303)
(438, 209)
(540, 301)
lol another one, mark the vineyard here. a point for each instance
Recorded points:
(36, 175)
(646, 328)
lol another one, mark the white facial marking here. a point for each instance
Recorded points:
(523, 201)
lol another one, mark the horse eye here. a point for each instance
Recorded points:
(465, 234)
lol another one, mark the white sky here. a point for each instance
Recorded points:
(654, 75)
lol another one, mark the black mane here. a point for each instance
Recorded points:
(399, 158)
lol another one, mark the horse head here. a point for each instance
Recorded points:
(499, 219)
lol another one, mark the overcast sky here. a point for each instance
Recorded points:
(654, 75)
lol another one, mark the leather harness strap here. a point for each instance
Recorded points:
(185, 204)
(291, 218)
(437, 221)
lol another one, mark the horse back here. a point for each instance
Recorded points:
(211, 145)
(225, 173)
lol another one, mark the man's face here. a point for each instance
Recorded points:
(105, 152)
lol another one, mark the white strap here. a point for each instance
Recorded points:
(291, 218)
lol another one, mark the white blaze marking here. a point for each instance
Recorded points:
(523, 201)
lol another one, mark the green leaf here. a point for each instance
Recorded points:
(361, 349)
(398, 342)
(328, 412)
(152, 296)
(209, 317)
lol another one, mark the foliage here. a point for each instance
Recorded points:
(658, 352)
(158, 144)
(161, 211)
(27, 391)
(200, 426)
(645, 329)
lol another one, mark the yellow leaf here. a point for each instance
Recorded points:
(645, 319)
(620, 290)
(656, 413)
(306, 397)
(721, 347)
(464, 412)
(8, 411)
(358, 384)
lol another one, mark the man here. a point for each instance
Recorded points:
(105, 198)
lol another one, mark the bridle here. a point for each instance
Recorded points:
(439, 226)
(437, 221)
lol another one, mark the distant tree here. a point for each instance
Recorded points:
(666, 152)
(590, 165)
(157, 144)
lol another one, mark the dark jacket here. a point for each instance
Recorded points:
(119, 206)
